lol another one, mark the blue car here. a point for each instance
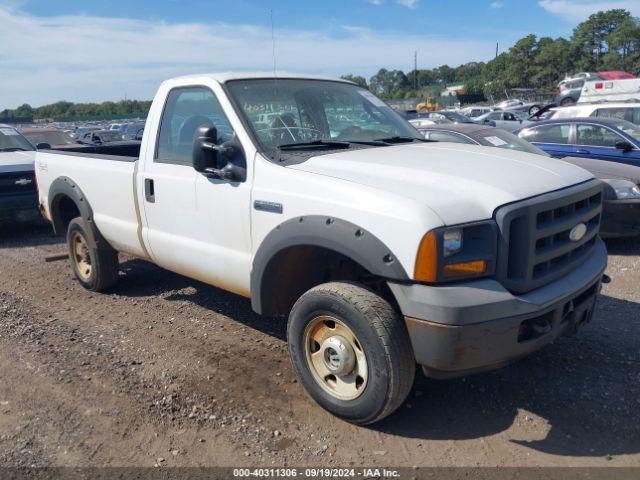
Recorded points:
(597, 138)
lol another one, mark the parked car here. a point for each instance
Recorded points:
(18, 192)
(423, 122)
(49, 138)
(598, 138)
(446, 116)
(82, 131)
(101, 137)
(615, 75)
(629, 111)
(568, 91)
(384, 252)
(621, 207)
(133, 131)
(621, 210)
(509, 121)
(517, 105)
(474, 112)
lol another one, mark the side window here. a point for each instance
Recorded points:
(495, 116)
(446, 137)
(557, 134)
(186, 110)
(597, 136)
(510, 117)
(619, 113)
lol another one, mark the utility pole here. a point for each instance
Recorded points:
(496, 49)
(415, 70)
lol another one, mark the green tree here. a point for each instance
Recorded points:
(590, 37)
(357, 79)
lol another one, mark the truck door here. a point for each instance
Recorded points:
(195, 225)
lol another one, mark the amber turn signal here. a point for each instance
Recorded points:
(466, 269)
(426, 269)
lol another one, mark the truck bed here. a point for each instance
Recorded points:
(120, 149)
(109, 181)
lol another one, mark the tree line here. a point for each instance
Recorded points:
(607, 40)
(61, 111)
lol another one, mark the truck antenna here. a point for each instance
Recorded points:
(273, 43)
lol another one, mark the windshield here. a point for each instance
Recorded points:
(300, 111)
(52, 138)
(11, 140)
(629, 128)
(503, 139)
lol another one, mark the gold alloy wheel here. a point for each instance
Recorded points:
(335, 357)
(81, 255)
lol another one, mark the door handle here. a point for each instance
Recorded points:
(582, 150)
(149, 190)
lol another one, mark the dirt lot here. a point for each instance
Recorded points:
(167, 371)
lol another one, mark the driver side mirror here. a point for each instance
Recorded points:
(43, 146)
(204, 157)
(207, 155)
(624, 146)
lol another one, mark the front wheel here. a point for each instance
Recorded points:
(351, 351)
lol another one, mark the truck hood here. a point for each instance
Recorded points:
(16, 161)
(460, 183)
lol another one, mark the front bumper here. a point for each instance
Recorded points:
(479, 325)
(19, 208)
(620, 218)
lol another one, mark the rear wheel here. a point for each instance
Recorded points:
(95, 269)
(567, 102)
(351, 351)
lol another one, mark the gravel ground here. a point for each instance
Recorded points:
(165, 371)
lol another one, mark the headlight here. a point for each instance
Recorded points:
(622, 189)
(452, 253)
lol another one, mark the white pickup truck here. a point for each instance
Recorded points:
(311, 197)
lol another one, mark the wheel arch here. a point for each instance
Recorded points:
(303, 252)
(66, 202)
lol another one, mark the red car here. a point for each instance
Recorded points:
(616, 75)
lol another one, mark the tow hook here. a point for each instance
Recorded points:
(606, 279)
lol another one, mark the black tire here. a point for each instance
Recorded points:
(102, 272)
(533, 109)
(567, 102)
(381, 332)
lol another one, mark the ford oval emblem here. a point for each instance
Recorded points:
(578, 232)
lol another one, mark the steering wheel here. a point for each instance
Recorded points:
(350, 133)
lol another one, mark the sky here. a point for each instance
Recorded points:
(97, 50)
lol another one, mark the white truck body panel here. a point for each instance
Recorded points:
(479, 179)
(109, 185)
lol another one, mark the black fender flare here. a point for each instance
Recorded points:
(331, 233)
(63, 187)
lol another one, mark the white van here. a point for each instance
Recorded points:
(610, 90)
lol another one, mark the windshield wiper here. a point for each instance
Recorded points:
(315, 144)
(399, 139)
(13, 149)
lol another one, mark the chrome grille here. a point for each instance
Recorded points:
(535, 247)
